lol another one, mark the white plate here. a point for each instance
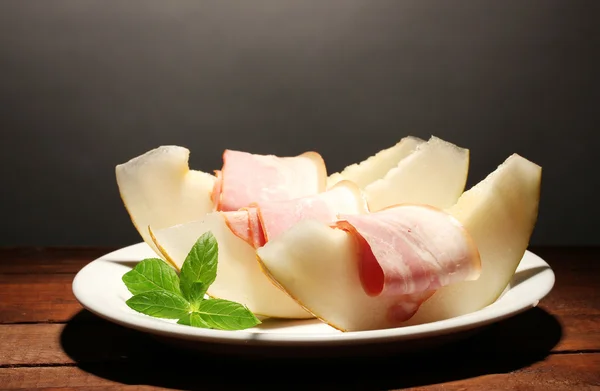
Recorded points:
(99, 288)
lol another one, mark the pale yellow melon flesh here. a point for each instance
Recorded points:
(500, 213)
(239, 277)
(318, 265)
(434, 174)
(159, 189)
(375, 167)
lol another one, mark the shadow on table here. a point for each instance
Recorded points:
(130, 357)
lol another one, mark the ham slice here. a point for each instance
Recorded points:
(262, 222)
(321, 265)
(343, 198)
(239, 223)
(402, 308)
(247, 178)
(245, 225)
(411, 250)
(257, 236)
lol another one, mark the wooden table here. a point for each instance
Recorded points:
(47, 340)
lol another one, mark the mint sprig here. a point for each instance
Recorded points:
(150, 275)
(160, 292)
(160, 304)
(200, 265)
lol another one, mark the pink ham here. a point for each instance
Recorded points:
(261, 222)
(246, 178)
(411, 250)
(245, 225)
(404, 307)
(239, 223)
(257, 236)
(344, 198)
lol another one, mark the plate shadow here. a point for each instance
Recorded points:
(131, 357)
(524, 275)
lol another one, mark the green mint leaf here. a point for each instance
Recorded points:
(159, 292)
(226, 315)
(160, 304)
(200, 265)
(197, 291)
(193, 319)
(150, 275)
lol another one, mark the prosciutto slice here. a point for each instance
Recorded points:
(343, 198)
(239, 223)
(257, 236)
(411, 250)
(262, 222)
(245, 225)
(247, 178)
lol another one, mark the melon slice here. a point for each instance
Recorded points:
(318, 265)
(321, 266)
(158, 189)
(239, 277)
(434, 174)
(375, 167)
(500, 213)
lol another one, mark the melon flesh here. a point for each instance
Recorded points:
(239, 277)
(375, 167)
(434, 174)
(158, 189)
(500, 213)
(318, 265)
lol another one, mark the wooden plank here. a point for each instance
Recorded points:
(568, 321)
(32, 344)
(48, 260)
(575, 299)
(577, 271)
(86, 339)
(557, 372)
(78, 341)
(28, 260)
(37, 298)
(574, 302)
(67, 378)
(71, 259)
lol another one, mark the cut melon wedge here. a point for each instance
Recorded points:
(434, 174)
(239, 277)
(500, 213)
(375, 167)
(321, 266)
(158, 189)
(318, 265)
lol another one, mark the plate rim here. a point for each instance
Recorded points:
(428, 330)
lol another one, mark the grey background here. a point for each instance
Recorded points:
(85, 85)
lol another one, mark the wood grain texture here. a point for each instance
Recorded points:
(69, 378)
(48, 341)
(47, 297)
(86, 338)
(41, 260)
(557, 372)
(37, 298)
